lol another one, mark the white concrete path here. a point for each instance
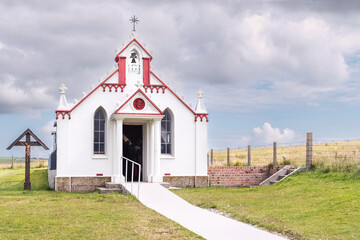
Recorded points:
(201, 221)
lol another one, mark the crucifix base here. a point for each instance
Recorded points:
(27, 186)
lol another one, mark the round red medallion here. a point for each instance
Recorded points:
(139, 104)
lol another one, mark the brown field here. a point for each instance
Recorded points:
(328, 153)
(20, 162)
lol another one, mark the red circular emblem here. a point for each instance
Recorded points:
(139, 104)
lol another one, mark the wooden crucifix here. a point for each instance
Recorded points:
(27, 144)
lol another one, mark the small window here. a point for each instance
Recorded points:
(166, 133)
(99, 132)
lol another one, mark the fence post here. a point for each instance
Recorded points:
(309, 150)
(12, 161)
(212, 156)
(249, 155)
(228, 156)
(274, 155)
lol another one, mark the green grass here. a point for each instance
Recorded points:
(308, 205)
(44, 214)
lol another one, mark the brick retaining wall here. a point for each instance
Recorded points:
(238, 176)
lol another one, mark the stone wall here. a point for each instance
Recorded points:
(80, 184)
(186, 181)
(239, 176)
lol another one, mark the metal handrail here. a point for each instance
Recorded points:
(132, 174)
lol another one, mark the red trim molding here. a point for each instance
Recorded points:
(172, 92)
(147, 114)
(63, 113)
(151, 102)
(94, 89)
(201, 116)
(113, 85)
(122, 70)
(146, 71)
(157, 87)
(134, 40)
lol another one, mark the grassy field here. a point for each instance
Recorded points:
(5, 162)
(344, 153)
(44, 214)
(308, 205)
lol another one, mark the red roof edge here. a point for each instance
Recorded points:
(117, 55)
(93, 90)
(173, 92)
(139, 90)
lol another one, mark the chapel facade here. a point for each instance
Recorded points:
(131, 114)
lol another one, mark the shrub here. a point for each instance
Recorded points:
(285, 161)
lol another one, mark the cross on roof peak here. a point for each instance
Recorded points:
(134, 20)
(200, 93)
(62, 88)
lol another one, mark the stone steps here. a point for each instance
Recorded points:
(111, 187)
(104, 190)
(165, 185)
(118, 187)
(280, 175)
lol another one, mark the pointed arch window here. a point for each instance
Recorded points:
(99, 132)
(166, 133)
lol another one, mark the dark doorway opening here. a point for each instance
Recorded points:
(132, 149)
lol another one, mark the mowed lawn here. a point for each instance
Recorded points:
(308, 205)
(44, 214)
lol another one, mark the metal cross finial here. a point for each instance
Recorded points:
(134, 20)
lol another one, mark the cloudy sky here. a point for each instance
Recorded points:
(270, 70)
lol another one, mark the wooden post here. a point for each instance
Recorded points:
(12, 162)
(249, 155)
(27, 184)
(309, 150)
(228, 156)
(212, 156)
(274, 155)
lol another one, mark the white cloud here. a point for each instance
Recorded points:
(47, 129)
(27, 99)
(259, 137)
(267, 135)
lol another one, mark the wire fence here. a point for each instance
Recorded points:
(7, 162)
(326, 153)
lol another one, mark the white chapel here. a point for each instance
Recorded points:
(130, 115)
